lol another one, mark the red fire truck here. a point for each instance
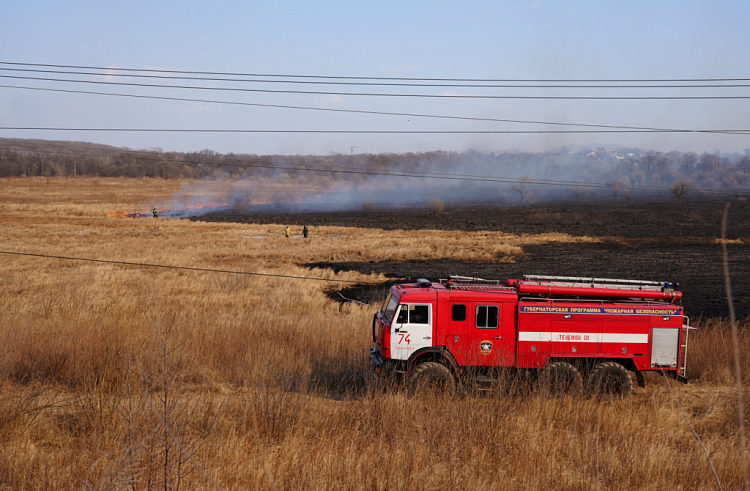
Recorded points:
(570, 332)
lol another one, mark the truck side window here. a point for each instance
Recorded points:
(403, 315)
(413, 314)
(418, 314)
(458, 313)
(487, 316)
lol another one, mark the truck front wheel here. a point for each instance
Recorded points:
(432, 376)
(610, 378)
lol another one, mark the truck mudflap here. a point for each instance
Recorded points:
(377, 358)
(445, 356)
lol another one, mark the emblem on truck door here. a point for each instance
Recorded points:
(486, 347)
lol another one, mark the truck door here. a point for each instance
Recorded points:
(456, 339)
(411, 329)
(492, 335)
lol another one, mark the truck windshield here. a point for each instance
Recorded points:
(389, 307)
(385, 302)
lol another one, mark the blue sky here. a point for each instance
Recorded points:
(469, 39)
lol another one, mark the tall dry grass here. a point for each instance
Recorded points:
(136, 378)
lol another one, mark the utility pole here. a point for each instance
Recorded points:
(352, 149)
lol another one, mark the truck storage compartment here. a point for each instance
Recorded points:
(665, 345)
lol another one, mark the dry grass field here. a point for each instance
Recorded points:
(123, 377)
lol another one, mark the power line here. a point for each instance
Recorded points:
(108, 73)
(375, 94)
(367, 132)
(185, 268)
(296, 166)
(355, 111)
(144, 70)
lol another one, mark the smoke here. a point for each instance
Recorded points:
(594, 173)
(283, 196)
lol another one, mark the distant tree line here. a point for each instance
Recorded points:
(619, 168)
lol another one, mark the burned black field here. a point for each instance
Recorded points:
(638, 240)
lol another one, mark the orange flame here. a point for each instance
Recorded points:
(166, 213)
(183, 211)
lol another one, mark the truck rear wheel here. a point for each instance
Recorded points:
(560, 378)
(610, 378)
(432, 376)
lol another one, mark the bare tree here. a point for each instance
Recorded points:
(687, 164)
(522, 188)
(436, 206)
(680, 189)
(653, 165)
(728, 181)
(617, 187)
(240, 197)
(742, 178)
(710, 163)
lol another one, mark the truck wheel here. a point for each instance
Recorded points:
(560, 378)
(610, 378)
(432, 376)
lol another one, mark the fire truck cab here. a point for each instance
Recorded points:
(567, 331)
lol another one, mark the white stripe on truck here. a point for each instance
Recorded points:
(582, 337)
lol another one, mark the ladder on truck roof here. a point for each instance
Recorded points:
(468, 279)
(584, 282)
(472, 283)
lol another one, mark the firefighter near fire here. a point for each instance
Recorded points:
(565, 333)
